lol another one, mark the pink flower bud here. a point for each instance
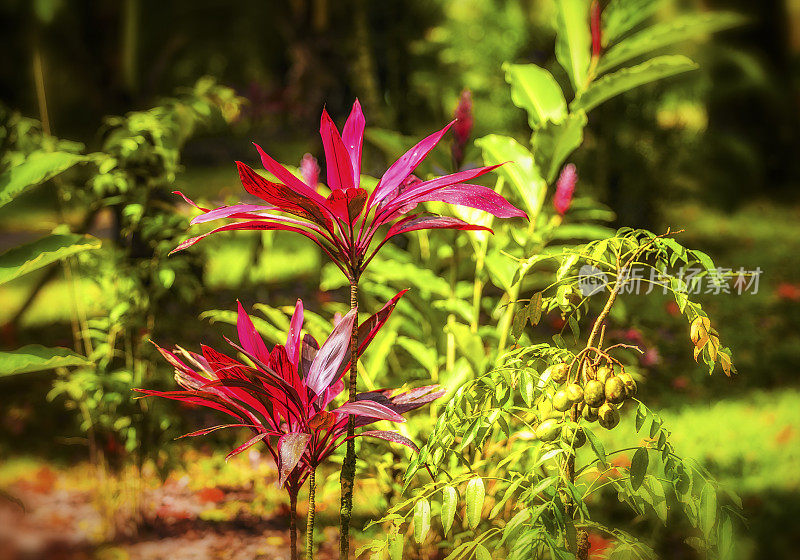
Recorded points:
(565, 188)
(463, 126)
(309, 169)
(597, 32)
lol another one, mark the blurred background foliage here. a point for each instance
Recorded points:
(713, 151)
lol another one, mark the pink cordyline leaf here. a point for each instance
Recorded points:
(393, 437)
(282, 395)
(345, 223)
(330, 355)
(290, 450)
(370, 409)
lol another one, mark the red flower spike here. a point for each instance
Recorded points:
(345, 223)
(565, 189)
(282, 395)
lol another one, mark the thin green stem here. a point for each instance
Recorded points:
(348, 474)
(312, 511)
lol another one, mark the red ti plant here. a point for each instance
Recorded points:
(284, 395)
(345, 223)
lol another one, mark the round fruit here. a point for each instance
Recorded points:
(589, 414)
(558, 372)
(608, 416)
(561, 401)
(603, 373)
(574, 393)
(548, 430)
(573, 435)
(630, 384)
(594, 393)
(615, 390)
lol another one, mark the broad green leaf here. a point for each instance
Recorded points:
(638, 467)
(626, 79)
(554, 142)
(515, 523)
(666, 33)
(35, 357)
(481, 553)
(535, 308)
(33, 256)
(475, 495)
(725, 537)
(519, 170)
(449, 503)
(621, 16)
(596, 445)
(534, 89)
(395, 544)
(422, 520)
(36, 169)
(423, 353)
(708, 509)
(574, 40)
(653, 493)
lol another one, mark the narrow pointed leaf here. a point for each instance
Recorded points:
(353, 138)
(370, 409)
(422, 520)
(334, 350)
(627, 79)
(32, 256)
(392, 437)
(338, 165)
(449, 505)
(246, 445)
(638, 467)
(36, 169)
(35, 357)
(290, 449)
(475, 496)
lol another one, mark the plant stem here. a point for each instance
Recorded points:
(349, 465)
(312, 492)
(293, 521)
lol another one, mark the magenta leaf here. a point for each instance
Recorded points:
(338, 165)
(417, 222)
(474, 196)
(370, 409)
(392, 437)
(334, 350)
(249, 337)
(290, 449)
(284, 176)
(205, 431)
(353, 138)
(246, 445)
(404, 166)
(234, 211)
(293, 337)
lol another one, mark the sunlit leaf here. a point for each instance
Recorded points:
(36, 169)
(574, 40)
(449, 503)
(422, 520)
(37, 254)
(534, 89)
(34, 357)
(475, 495)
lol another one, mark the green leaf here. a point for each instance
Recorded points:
(449, 503)
(574, 40)
(474, 496)
(641, 415)
(526, 387)
(423, 353)
(535, 308)
(725, 537)
(667, 33)
(534, 89)
(621, 16)
(626, 79)
(515, 522)
(36, 169)
(554, 142)
(638, 467)
(481, 553)
(395, 544)
(34, 357)
(422, 520)
(33, 256)
(596, 445)
(519, 170)
(654, 494)
(708, 509)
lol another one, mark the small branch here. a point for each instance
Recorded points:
(312, 495)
